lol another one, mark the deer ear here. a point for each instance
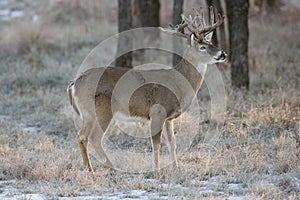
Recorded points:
(208, 37)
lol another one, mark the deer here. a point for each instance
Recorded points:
(92, 94)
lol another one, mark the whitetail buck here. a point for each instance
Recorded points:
(92, 93)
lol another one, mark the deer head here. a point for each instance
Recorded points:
(199, 35)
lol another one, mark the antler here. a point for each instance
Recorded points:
(196, 25)
(177, 29)
(202, 29)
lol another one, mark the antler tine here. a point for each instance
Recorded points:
(212, 15)
(192, 23)
(199, 15)
(195, 18)
(186, 19)
(177, 29)
(198, 30)
(213, 25)
(202, 17)
(189, 22)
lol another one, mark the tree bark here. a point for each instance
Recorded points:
(176, 19)
(125, 41)
(146, 14)
(237, 13)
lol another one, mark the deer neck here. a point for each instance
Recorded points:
(193, 71)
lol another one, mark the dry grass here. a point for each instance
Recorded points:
(259, 144)
(60, 25)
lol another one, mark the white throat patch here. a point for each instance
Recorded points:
(201, 68)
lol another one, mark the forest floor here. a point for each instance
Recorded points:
(255, 156)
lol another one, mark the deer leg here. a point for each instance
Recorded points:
(96, 141)
(82, 140)
(170, 140)
(157, 118)
(103, 117)
(156, 144)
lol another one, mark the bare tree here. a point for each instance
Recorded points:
(176, 19)
(237, 13)
(146, 14)
(124, 42)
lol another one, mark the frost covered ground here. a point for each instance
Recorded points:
(197, 189)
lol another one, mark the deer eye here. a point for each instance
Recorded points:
(202, 47)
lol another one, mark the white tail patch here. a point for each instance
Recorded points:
(152, 66)
(125, 118)
(75, 101)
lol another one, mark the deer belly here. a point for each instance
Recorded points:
(126, 118)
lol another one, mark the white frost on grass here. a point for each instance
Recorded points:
(237, 198)
(31, 129)
(16, 14)
(4, 12)
(7, 14)
(196, 188)
(26, 196)
(173, 191)
(6, 191)
(234, 187)
(4, 117)
(7, 182)
(295, 182)
(209, 192)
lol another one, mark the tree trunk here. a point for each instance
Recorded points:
(124, 42)
(146, 14)
(237, 13)
(176, 19)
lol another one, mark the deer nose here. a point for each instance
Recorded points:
(223, 55)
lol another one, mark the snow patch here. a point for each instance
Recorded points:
(16, 14)
(4, 12)
(234, 187)
(4, 117)
(31, 129)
